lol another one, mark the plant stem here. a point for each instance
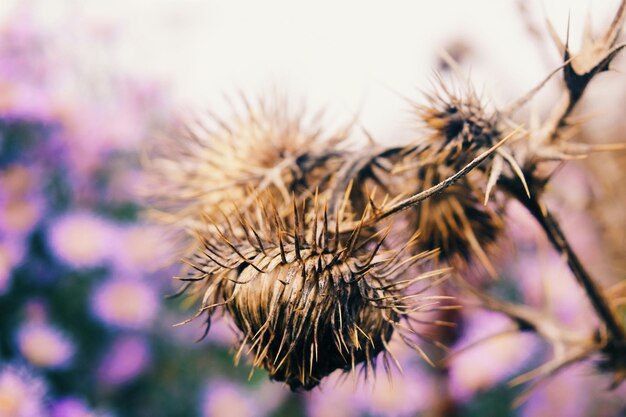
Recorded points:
(416, 199)
(556, 236)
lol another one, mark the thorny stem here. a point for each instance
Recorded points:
(577, 82)
(556, 236)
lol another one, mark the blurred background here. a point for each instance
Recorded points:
(85, 329)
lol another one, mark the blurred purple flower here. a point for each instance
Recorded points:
(73, 407)
(81, 239)
(335, 397)
(226, 399)
(269, 396)
(127, 358)
(547, 283)
(142, 248)
(11, 254)
(403, 393)
(24, 69)
(42, 77)
(21, 206)
(21, 393)
(499, 356)
(20, 216)
(44, 345)
(577, 391)
(566, 395)
(125, 302)
(223, 398)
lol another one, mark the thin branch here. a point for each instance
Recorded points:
(421, 196)
(558, 239)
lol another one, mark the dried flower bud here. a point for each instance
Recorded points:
(307, 299)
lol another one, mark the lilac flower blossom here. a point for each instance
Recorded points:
(21, 393)
(225, 399)
(74, 407)
(496, 358)
(81, 239)
(125, 302)
(44, 345)
(126, 359)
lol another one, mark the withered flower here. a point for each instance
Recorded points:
(460, 220)
(307, 298)
(266, 147)
(456, 221)
(460, 128)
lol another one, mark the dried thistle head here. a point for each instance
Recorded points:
(460, 128)
(307, 298)
(459, 123)
(265, 148)
(459, 220)
(456, 221)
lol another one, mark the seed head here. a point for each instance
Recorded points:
(456, 221)
(265, 148)
(307, 299)
(460, 220)
(460, 125)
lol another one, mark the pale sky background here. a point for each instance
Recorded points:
(349, 55)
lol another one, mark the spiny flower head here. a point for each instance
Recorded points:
(307, 298)
(44, 345)
(456, 221)
(266, 146)
(460, 220)
(460, 124)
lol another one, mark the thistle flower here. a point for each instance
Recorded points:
(456, 221)
(460, 124)
(308, 300)
(459, 220)
(265, 148)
